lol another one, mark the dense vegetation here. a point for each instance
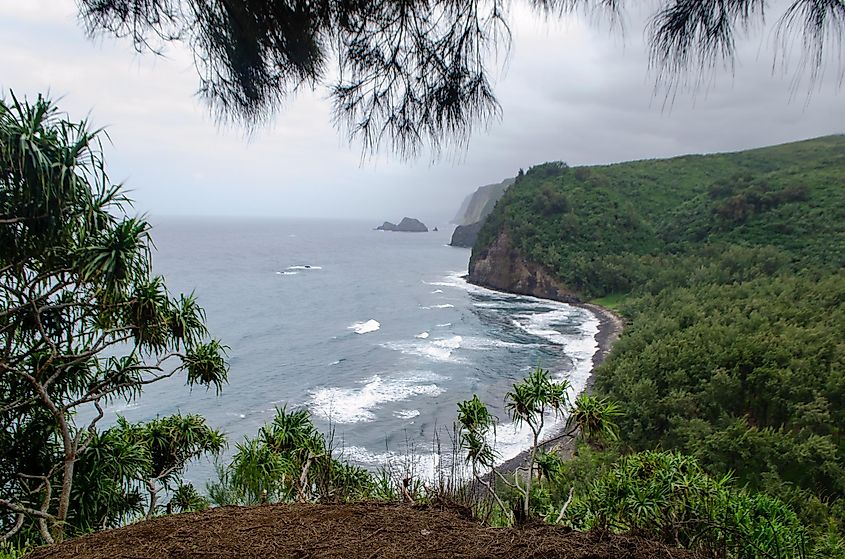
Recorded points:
(729, 271)
(84, 322)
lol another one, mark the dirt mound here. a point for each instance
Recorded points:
(366, 531)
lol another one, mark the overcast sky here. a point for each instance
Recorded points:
(573, 91)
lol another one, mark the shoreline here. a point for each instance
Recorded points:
(610, 328)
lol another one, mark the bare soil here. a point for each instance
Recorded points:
(365, 531)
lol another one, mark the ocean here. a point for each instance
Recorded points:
(376, 333)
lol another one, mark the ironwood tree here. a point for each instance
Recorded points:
(411, 73)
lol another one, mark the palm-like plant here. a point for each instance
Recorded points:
(528, 402)
(290, 460)
(594, 417)
(477, 427)
(172, 442)
(82, 321)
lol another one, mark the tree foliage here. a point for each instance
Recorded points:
(669, 497)
(289, 460)
(403, 74)
(530, 402)
(83, 322)
(728, 269)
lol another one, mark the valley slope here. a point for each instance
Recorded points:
(729, 271)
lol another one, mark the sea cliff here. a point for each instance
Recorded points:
(474, 211)
(501, 267)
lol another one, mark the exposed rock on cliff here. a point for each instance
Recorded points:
(474, 210)
(465, 235)
(478, 205)
(501, 267)
(407, 225)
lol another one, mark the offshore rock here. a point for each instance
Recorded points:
(407, 225)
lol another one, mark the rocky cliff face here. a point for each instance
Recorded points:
(501, 267)
(474, 211)
(478, 205)
(465, 235)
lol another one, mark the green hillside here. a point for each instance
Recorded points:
(729, 271)
(605, 229)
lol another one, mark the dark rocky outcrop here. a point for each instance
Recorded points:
(465, 235)
(407, 225)
(501, 267)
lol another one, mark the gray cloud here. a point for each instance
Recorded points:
(573, 91)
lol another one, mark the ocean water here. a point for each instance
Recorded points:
(375, 333)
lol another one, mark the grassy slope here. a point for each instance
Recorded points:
(729, 270)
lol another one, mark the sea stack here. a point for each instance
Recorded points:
(407, 225)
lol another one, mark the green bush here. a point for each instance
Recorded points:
(669, 497)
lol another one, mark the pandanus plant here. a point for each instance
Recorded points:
(83, 322)
(530, 402)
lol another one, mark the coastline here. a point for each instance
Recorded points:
(611, 326)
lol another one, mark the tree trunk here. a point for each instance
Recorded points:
(153, 497)
(70, 445)
(64, 496)
(531, 457)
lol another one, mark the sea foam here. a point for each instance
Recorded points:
(440, 349)
(365, 327)
(406, 414)
(354, 405)
(443, 306)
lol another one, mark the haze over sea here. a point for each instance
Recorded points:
(375, 333)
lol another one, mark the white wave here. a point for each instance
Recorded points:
(580, 345)
(440, 349)
(488, 305)
(510, 440)
(479, 343)
(422, 335)
(123, 407)
(443, 306)
(445, 324)
(361, 455)
(336, 362)
(365, 327)
(437, 291)
(354, 405)
(286, 273)
(443, 283)
(406, 414)
(452, 279)
(306, 267)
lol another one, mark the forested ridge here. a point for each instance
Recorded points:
(728, 269)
